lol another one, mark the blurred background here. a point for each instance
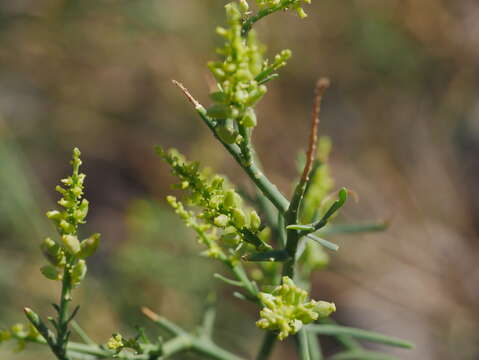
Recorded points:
(403, 113)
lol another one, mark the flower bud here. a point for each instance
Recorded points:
(232, 199)
(52, 252)
(71, 243)
(78, 272)
(54, 215)
(89, 246)
(221, 220)
(230, 237)
(324, 308)
(66, 227)
(244, 6)
(51, 272)
(115, 342)
(254, 220)
(82, 211)
(239, 218)
(249, 118)
(227, 134)
(301, 13)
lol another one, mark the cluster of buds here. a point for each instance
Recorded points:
(222, 216)
(21, 333)
(287, 309)
(69, 253)
(240, 76)
(117, 343)
(295, 5)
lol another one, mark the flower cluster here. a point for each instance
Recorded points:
(68, 254)
(286, 309)
(222, 218)
(117, 343)
(295, 5)
(22, 333)
(240, 77)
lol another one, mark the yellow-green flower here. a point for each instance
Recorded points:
(286, 309)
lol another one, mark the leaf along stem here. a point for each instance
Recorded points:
(337, 330)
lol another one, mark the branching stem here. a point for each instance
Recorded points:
(256, 175)
(292, 215)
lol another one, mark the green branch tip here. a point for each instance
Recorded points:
(327, 244)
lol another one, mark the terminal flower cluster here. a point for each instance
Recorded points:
(240, 77)
(286, 309)
(68, 253)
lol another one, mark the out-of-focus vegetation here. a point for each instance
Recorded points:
(403, 114)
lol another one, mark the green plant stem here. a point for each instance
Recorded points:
(267, 346)
(83, 335)
(212, 351)
(174, 346)
(62, 328)
(163, 323)
(240, 273)
(249, 22)
(303, 344)
(251, 169)
(314, 347)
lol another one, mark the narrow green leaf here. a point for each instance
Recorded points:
(327, 244)
(335, 330)
(337, 229)
(338, 204)
(300, 227)
(361, 355)
(228, 281)
(303, 345)
(314, 347)
(267, 79)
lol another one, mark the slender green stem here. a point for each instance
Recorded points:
(212, 351)
(208, 321)
(62, 329)
(303, 343)
(163, 323)
(174, 346)
(83, 335)
(267, 346)
(241, 275)
(314, 347)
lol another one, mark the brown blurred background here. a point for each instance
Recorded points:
(403, 113)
